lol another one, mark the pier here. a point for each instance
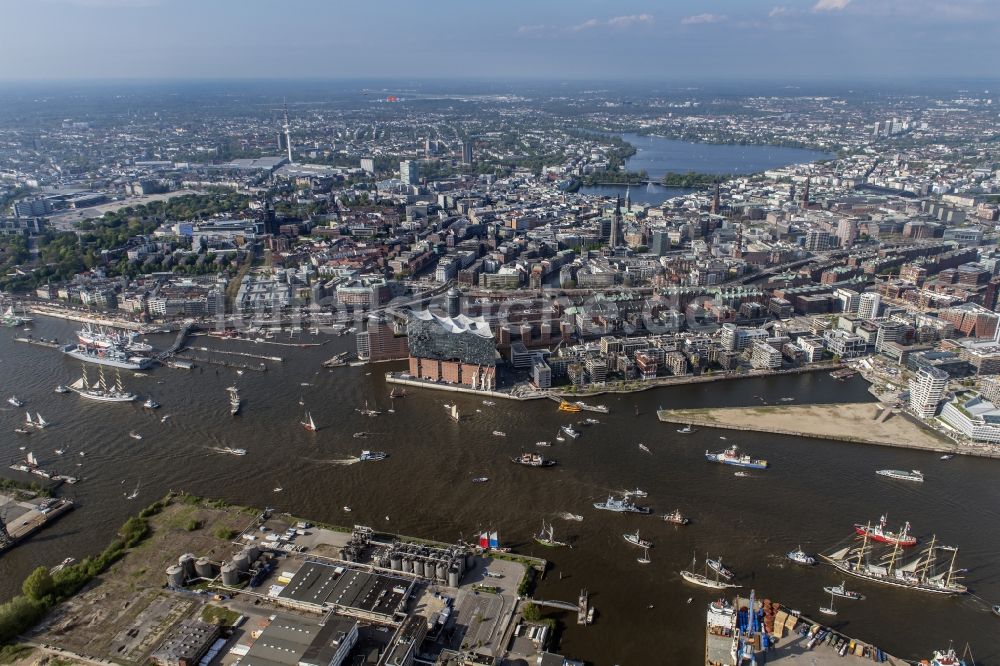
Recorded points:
(21, 519)
(225, 364)
(260, 357)
(178, 342)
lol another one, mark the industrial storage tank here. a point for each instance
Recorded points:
(407, 565)
(204, 567)
(453, 577)
(396, 562)
(175, 576)
(242, 560)
(186, 561)
(418, 567)
(254, 552)
(230, 574)
(441, 572)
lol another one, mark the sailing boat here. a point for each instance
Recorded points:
(39, 421)
(645, 557)
(702, 579)
(135, 493)
(828, 610)
(309, 424)
(101, 391)
(453, 413)
(234, 400)
(546, 537)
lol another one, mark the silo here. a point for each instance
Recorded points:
(242, 561)
(441, 572)
(407, 565)
(428, 569)
(230, 574)
(175, 576)
(396, 562)
(254, 552)
(186, 561)
(453, 577)
(204, 567)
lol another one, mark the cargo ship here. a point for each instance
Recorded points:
(731, 456)
(923, 573)
(879, 533)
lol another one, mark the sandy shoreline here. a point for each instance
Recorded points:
(851, 422)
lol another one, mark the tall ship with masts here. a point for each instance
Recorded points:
(102, 391)
(931, 570)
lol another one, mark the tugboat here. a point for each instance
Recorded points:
(717, 566)
(799, 557)
(532, 460)
(621, 506)
(570, 432)
(636, 540)
(677, 518)
(842, 592)
(731, 457)
(902, 538)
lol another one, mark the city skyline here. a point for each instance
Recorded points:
(631, 40)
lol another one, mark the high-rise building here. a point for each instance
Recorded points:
(409, 172)
(381, 341)
(804, 204)
(926, 390)
(615, 238)
(869, 305)
(467, 151)
(368, 164)
(817, 240)
(661, 243)
(847, 231)
(849, 299)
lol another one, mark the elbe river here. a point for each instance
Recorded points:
(813, 493)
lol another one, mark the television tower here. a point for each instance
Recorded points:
(288, 133)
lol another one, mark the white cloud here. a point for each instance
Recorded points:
(780, 10)
(830, 5)
(698, 19)
(626, 21)
(586, 25)
(107, 4)
(530, 29)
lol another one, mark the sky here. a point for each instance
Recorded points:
(656, 40)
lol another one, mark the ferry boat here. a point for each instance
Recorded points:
(102, 391)
(532, 460)
(636, 540)
(546, 536)
(570, 432)
(308, 424)
(372, 455)
(717, 566)
(621, 506)
(799, 556)
(731, 456)
(842, 591)
(235, 402)
(569, 407)
(12, 400)
(902, 475)
(879, 533)
(924, 572)
(676, 517)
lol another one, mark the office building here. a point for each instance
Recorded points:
(764, 357)
(926, 390)
(848, 298)
(660, 244)
(467, 151)
(382, 341)
(869, 305)
(368, 164)
(409, 172)
(817, 240)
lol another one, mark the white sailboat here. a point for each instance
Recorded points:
(135, 492)
(645, 557)
(309, 424)
(39, 421)
(828, 610)
(453, 413)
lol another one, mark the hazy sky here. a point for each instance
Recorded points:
(580, 39)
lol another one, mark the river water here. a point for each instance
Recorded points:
(811, 496)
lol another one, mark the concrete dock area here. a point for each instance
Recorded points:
(24, 517)
(866, 423)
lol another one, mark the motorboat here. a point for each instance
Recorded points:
(800, 557)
